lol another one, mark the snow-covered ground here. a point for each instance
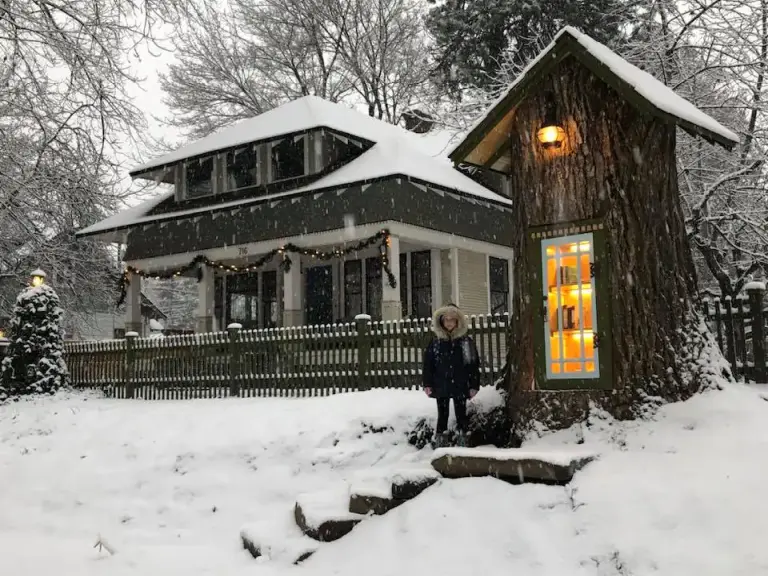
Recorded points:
(168, 486)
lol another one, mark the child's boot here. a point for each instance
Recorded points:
(461, 439)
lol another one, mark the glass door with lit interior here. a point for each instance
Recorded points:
(570, 315)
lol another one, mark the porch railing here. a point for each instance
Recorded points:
(299, 361)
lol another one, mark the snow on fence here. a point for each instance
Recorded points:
(739, 325)
(296, 361)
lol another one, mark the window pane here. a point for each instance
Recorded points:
(404, 283)
(498, 270)
(340, 149)
(568, 289)
(373, 287)
(242, 168)
(199, 178)
(353, 288)
(421, 284)
(288, 158)
(422, 302)
(269, 302)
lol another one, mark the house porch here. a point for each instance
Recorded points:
(429, 268)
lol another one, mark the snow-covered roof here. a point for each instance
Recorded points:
(658, 95)
(396, 152)
(296, 116)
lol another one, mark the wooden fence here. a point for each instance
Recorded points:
(300, 361)
(739, 325)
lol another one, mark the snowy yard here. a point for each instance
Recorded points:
(170, 484)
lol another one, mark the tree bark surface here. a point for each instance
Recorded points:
(616, 165)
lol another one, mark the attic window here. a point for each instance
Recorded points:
(199, 177)
(242, 168)
(341, 149)
(288, 158)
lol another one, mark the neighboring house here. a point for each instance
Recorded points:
(322, 178)
(109, 323)
(103, 322)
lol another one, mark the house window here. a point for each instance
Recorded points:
(243, 300)
(498, 279)
(288, 158)
(404, 284)
(119, 334)
(571, 316)
(242, 168)
(421, 284)
(269, 302)
(353, 288)
(199, 178)
(341, 149)
(373, 288)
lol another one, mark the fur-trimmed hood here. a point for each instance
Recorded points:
(437, 323)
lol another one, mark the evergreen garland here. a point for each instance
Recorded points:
(382, 238)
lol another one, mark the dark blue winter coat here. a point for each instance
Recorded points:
(451, 363)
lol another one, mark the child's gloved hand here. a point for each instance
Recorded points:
(428, 391)
(472, 393)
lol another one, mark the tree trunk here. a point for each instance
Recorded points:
(616, 166)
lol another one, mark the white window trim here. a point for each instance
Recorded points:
(547, 343)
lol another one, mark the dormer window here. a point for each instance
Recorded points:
(199, 177)
(288, 158)
(342, 149)
(242, 168)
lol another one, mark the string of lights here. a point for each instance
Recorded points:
(382, 238)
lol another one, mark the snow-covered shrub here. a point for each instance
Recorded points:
(489, 423)
(34, 360)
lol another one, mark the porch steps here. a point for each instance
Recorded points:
(332, 514)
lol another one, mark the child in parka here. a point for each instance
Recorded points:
(451, 370)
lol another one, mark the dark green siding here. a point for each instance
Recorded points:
(379, 202)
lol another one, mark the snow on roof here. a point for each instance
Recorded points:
(396, 152)
(654, 91)
(301, 114)
(386, 159)
(126, 217)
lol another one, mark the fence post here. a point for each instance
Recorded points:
(234, 358)
(363, 322)
(756, 291)
(130, 363)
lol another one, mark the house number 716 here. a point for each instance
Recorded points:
(243, 251)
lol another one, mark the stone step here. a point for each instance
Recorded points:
(513, 465)
(325, 516)
(277, 541)
(380, 494)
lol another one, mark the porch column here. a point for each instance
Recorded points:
(205, 300)
(391, 308)
(454, 297)
(293, 310)
(436, 266)
(133, 306)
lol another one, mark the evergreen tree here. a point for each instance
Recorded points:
(472, 35)
(34, 362)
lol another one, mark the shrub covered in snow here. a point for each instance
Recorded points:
(34, 361)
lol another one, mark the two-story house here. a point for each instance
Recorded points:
(315, 183)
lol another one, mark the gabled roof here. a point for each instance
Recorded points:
(396, 152)
(638, 87)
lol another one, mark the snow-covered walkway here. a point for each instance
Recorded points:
(168, 485)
